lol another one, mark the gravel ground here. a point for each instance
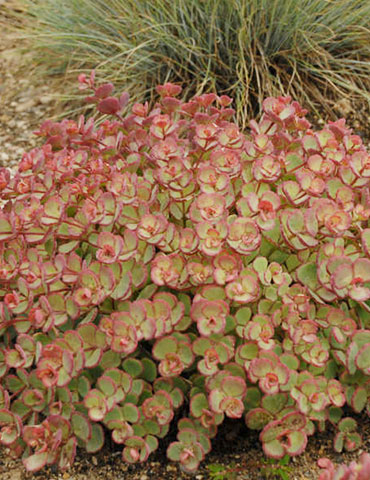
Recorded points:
(24, 104)
(236, 450)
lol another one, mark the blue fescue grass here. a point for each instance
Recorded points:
(316, 50)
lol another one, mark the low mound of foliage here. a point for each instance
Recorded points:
(165, 267)
(354, 471)
(248, 49)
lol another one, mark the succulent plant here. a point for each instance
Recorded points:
(354, 471)
(162, 260)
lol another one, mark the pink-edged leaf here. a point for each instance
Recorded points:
(363, 359)
(359, 399)
(81, 426)
(296, 442)
(274, 449)
(233, 386)
(67, 454)
(6, 230)
(215, 399)
(258, 418)
(365, 237)
(36, 461)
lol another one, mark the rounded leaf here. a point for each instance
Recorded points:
(35, 462)
(96, 442)
(81, 426)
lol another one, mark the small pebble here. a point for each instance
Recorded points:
(22, 107)
(46, 99)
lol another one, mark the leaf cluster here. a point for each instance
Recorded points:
(166, 263)
(354, 471)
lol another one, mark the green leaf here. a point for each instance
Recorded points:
(122, 288)
(290, 360)
(130, 412)
(359, 399)
(307, 275)
(114, 414)
(163, 346)
(293, 161)
(96, 442)
(258, 418)
(149, 372)
(274, 449)
(339, 442)
(110, 359)
(278, 256)
(107, 386)
(252, 398)
(347, 425)
(174, 451)
(335, 414)
(139, 430)
(35, 462)
(274, 403)
(297, 442)
(13, 383)
(243, 315)
(363, 358)
(19, 408)
(176, 211)
(81, 426)
(152, 443)
(183, 324)
(198, 403)
(354, 440)
(6, 230)
(133, 366)
(230, 324)
(68, 247)
(260, 264)
(137, 386)
(285, 460)
(148, 291)
(151, 427)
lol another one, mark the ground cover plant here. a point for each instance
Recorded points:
(279, 469)
(354, 471)
(165, 268)
(315, 50)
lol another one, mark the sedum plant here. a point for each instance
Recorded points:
(165, 267)
(354, 471)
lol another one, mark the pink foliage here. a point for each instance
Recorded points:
(165, 259)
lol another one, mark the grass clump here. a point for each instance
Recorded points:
(315, 50)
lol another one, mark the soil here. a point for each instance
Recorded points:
(236, 452)
(24, 101)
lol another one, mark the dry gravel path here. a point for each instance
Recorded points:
(24, 104)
